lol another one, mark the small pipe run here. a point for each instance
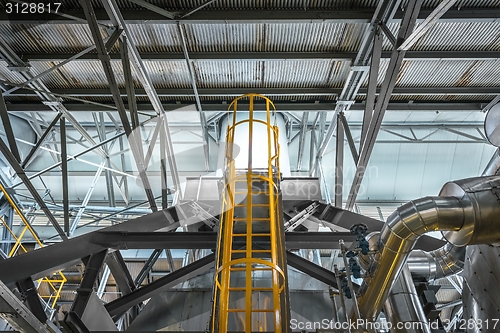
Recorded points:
(466, 212)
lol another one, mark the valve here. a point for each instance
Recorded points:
(345, 287)
(360, 230)
(353, 264)
(363, 245)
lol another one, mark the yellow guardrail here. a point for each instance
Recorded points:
(55, 283)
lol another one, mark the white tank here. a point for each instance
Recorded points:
(259, 138)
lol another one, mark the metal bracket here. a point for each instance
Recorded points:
(205, 216)
(298, 219)
(20, 68)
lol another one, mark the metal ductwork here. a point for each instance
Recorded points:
(445, 261)
(403, 306)
(466, 212)
(480, 291)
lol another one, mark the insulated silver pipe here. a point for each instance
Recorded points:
(493, 166)
(466, 210)
(445, 261)
(404, 308)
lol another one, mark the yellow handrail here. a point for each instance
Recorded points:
(229, 313)
(56, 290)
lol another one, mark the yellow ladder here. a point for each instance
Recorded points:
(54, 283)
(250, 215)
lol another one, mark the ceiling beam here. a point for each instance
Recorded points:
(466, 106)
(230, 92)
(237, 56)
(133, 16)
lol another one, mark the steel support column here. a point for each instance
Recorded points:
(339, 166)
(302, 138)
(64, 166)
(405, 30)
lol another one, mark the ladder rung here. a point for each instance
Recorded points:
(253, 235)
(256, 251)
(253, 310)
(253, 218)
(253, 205)
(254, 193)
(253, 289)
(253, 269)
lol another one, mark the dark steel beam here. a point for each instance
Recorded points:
(148, 265)
(207, 240)
(238, 56)
(118, 268)
(319, 273)
(129, 84)
(34, 193)
(163, 168)
(134, 140)
(386, 92)
(7, 127)
(302, 138)
(124, 303)
(339, 166)
(372, 83)
(40, 141)
(255, 16)
(320, 92)
(93, 266)
(44, 261)
(30, 294)
(64, 172)
(350, 140)
(467, 106)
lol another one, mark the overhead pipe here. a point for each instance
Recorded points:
(445, 261)
(466, 212)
